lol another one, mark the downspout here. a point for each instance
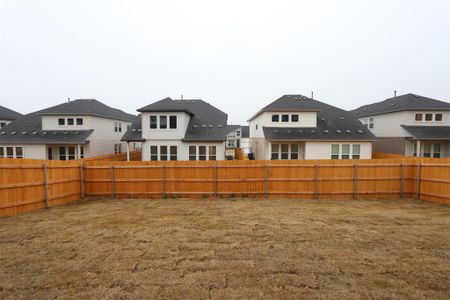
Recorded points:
(128, 151)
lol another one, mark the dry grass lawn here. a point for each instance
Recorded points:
(228, 249)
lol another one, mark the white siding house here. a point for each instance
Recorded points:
(180, 130)
(403, 124)
(296, 127)
(72, 130)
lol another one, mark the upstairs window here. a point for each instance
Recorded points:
(162, 122)
(153, 122)
(70, 121)
(438, 117)
(79, 121)
(428, 117)
(117, 126)
(294, 118)
(61, 121)
(173, 122)
(238, 133)
(2, 124)
(284, 118)
(419, 117)
(371, 124)
(117, 148)
(275, 118)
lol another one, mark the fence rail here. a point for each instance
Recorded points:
(27, 185)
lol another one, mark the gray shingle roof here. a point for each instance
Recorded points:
(290, 103)
(90, 107)
(28, 130)
(207, 123)
(429, 132)
(401, 103)
(8, 114)
(134, 132)
(333, 124)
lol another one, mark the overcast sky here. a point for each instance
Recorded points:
(237, 55)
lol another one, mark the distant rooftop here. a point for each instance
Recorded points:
(8, 114)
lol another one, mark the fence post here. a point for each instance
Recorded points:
(46, 184)
(316, 181)
(163, 181)
(355, 183)
(216, 170)
(113, 187)
(419, 171)
(402, 180)
(266, 192)
(81, 181)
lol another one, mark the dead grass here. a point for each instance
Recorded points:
(228, 249)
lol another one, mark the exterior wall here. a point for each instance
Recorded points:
(260, 148)
(29, 151)
(396, 145)
(306, 119)
(165, 134)
(389, 125)
(245, 145)
(182, 148)
(322, 150)
(101, 141)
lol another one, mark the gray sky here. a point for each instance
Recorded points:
(237, 55)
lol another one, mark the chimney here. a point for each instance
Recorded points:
(312, 95)
(181, 96)
(68, 99)
(395, 94)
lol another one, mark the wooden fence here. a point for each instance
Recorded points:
(32, 184)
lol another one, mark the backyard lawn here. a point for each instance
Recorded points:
(240, 248)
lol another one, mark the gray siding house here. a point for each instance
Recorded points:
(72, 130)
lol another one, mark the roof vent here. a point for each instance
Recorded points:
(3, 132)
(179, 102)
(195, 126)
(360, 131)
(139, 130)
(348, 131)
(203, 126)
(44, 132)
(275, 131)
(301, 131)
(289, 131)
(323, 119)
(342, 118)
(134, 130)
(24, 132)
(66, 133)
(220, 125)
(34, 133)
(338, 131)
(313, 131)
(13, 132)
(193, 102)
(77, 132)
(210, 126)
(364, 109)
(326, 131)
(392, 104)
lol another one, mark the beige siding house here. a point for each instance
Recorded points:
(72, 130)
(296, 127)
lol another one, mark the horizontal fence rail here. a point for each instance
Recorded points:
(27, 185)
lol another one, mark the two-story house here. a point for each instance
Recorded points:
(180, 130)
(239, 138)
(297, 127)
(7, 116)
(72, 130)
(410, 125)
